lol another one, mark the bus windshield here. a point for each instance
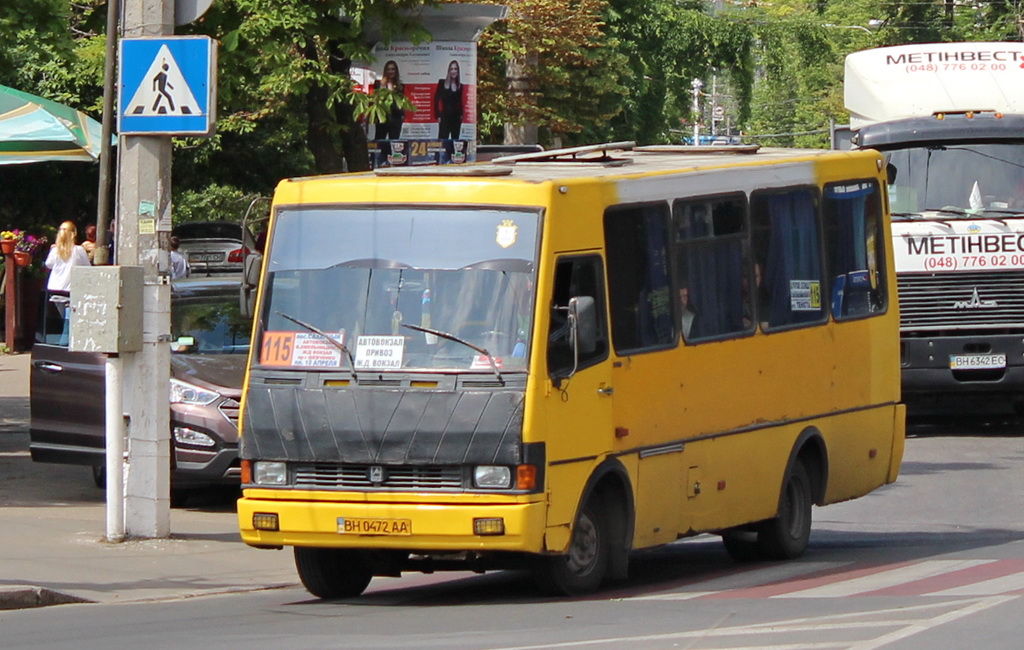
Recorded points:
(362, 277)
(958, 180)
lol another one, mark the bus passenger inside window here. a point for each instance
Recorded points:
(713, 266)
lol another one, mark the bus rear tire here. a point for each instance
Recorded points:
(582, 569)
(785, 537)
(332, 573)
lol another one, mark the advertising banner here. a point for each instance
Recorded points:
(439, 79)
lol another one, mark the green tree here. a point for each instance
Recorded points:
(549, 66)
(667, 45)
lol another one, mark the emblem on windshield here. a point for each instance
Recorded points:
(508, 232)
(975, 302)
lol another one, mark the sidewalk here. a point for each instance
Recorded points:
(53, 522)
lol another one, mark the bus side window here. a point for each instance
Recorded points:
(787, 239)
(712, 263)
(574, 277)
(853, 221)
(639, 288)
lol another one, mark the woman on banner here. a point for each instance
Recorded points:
(390, 128)
(448, 104)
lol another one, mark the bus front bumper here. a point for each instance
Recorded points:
(409, 525)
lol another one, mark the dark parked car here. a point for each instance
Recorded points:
(215, 246)
(209, 346)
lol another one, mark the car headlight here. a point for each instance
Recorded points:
(185, 393)
(193, 438)
(492, 476)
(270, 473)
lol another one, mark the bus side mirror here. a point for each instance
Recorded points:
(250, 282)
(583, 316)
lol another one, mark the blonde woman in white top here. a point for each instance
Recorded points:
(63, 255)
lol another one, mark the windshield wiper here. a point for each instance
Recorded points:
(452, 337)
(327, 337)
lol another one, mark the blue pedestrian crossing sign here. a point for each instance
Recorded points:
(167, 86)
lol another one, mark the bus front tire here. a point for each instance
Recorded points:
(332, 573)
(582, 569)
(785, 537)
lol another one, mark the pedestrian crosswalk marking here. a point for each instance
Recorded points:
(163, 90)
(883, 579)
(951, 578)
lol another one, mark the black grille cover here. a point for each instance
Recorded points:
(382, 425)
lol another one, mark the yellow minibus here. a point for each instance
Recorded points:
(556, 358)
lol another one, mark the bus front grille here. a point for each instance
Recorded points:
(974, 301)
(385, 477)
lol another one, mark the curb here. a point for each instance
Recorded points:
(28, 597)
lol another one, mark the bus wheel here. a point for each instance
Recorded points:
(785, 537)
(581, 570)
(331, 572)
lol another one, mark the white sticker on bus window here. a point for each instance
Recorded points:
(379, 352)
(312, 351)
(805, 295)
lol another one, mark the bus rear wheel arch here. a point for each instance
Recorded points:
(786, 535)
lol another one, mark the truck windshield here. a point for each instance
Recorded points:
(958, 180)
(359, 275)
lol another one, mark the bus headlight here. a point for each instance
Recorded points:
(492, 476)
(270, 473)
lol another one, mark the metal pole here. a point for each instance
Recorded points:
(697, 85)
(115, 450)
(102, 253)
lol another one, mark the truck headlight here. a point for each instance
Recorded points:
(492, 476)
(183, 392)
(270, 473)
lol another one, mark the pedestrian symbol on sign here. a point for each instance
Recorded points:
(163, 90)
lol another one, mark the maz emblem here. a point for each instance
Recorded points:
(975, 302)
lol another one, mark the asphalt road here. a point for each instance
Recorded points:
(934, 561)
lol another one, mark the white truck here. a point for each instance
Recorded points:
(949, 118)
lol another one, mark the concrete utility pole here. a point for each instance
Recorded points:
(143, 228)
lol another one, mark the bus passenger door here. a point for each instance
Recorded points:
(578, 412)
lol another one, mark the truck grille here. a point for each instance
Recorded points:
(400, 477)
(961, 301)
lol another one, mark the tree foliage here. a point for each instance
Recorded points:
(580, 70)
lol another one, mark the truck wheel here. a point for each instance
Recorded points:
(332, 573)
(581, 570)
(785, 537)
